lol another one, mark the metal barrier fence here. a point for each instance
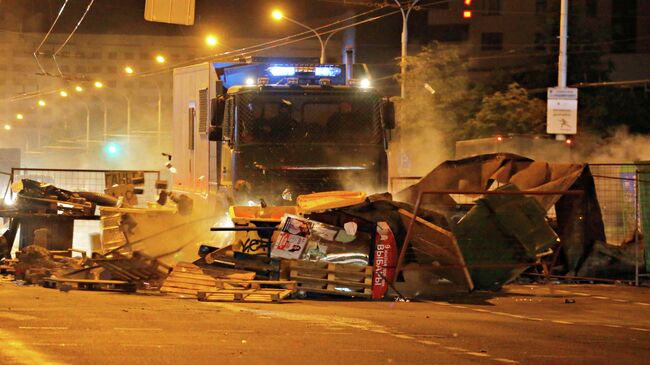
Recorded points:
(623, 192)
(86, 180)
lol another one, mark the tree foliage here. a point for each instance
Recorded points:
(508, 112)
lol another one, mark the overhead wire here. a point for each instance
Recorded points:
(47, 35)
(70, 36)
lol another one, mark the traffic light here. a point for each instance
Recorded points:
(467, 12)
(112, 149)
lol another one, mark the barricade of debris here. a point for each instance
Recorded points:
(342, 244)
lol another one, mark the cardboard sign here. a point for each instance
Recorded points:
(385, 260)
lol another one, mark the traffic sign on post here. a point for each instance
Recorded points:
(562, 111)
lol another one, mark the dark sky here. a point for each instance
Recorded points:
(226, 17)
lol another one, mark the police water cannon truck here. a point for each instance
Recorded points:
(276, 130)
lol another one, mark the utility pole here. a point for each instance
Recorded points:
(405, 9)
(562, 61)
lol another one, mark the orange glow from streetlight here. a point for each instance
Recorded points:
(63, 93)
(211, 40)
(129, 70)
(160, 59)
(20, 116)
(7, 127)
(41, 102)
(78, 88)
(277, 15)
(99, 84)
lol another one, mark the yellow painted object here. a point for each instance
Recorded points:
(253, 242)
(329, 200)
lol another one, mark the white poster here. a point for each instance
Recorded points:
(562, 116)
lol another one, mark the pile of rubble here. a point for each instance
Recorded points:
(329, 244)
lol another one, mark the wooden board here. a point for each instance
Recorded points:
(86, 284)
(188, 279)
(255, 284)
(333, 279)
(245, 295)
(438, 246)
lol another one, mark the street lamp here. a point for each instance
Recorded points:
(63, 93)
(7, 127)
(211, 41)
(129, 70)
(20, 116)
(278, 15)
(78, 89)
(405, 9)
(160, 59)
(99, 84)
(41, 103)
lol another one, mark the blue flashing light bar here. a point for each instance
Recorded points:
(278, 73)
(327, 71)
(282, 70)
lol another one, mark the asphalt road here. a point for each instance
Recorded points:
(529, 324)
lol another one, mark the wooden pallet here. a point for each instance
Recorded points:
(256, 284)
(333, 279)
(245, 295)
(188, 279)
(136, 268)
(84, 284)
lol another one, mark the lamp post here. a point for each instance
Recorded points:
(405, 9)
(159, 129)
(87, 123)
(278, 15)
(99, 85)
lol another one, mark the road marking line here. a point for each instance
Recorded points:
(561, 322)
(358, 350)
(640, 329)
(427, 342)
(21, 354)
(235, 331)
(142, 345)
(452, 348)
(480, 310)
(136, 329)
(16, 316)
(459, 306)
(534, 319)
(406, 337)
(327, 333)
(612, 326)
(601, 297)
(479, 354)
(641, 303)
(54, 344)
(582, 294)
(620, 300)
(43, 328)
(507, 361)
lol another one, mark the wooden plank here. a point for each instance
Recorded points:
(245, 295)
(441, 246)
(365, 294)
(342, 283)
(84, 284)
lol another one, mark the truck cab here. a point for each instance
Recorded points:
(276, 131)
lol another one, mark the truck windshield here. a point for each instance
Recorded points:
(304, 118)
